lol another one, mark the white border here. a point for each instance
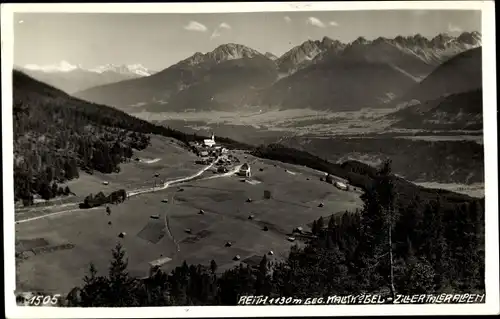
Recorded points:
(490, 144)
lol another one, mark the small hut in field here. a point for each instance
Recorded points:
(267, 194)
(329, 178)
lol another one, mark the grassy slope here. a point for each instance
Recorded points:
(225, 219)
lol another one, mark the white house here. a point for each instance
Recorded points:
(245, 170)
(341, 186)
(209, 142)
(159, 262)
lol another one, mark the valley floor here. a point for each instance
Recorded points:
(304, 122)
(364, 135)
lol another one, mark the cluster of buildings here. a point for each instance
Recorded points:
(208, 150)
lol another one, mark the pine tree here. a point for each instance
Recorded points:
(48, 191)
(418, 278)
(121, 285)
(374, 255)
(385, 190)
(314, 227)
(263, 265)
(331, 223)
(95, 290)
(320, 224)
(213, 266)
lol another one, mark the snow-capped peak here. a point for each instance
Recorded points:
(137, 69)
(63, 66)
(270, 56)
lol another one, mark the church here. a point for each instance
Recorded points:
(209, 142)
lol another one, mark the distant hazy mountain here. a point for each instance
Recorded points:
(219, 79)
(460, 111)
(461, 73)
(271, 56)
(324, 74)
(73, 78)
(449, 98)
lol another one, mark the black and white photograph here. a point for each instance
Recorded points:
(270, 159)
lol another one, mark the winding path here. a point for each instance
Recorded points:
(137, 192)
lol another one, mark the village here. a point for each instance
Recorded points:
(209, 151)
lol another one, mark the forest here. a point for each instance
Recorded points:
(358, 174)
(391, 246)
(444, 161)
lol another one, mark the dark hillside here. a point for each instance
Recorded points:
(55, 135)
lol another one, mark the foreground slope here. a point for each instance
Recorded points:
(225, 219)
(56, 136)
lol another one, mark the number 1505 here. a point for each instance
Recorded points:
(44, 300)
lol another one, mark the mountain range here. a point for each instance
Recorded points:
(323, 74)
(73, 78)
(218, 79)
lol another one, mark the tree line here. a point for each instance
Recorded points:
(446, 161)
(100, 199)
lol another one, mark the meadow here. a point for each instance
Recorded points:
(178, 230)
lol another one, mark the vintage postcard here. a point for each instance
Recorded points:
(249, 159)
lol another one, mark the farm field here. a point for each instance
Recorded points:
(86, 236)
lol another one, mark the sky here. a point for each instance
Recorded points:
(160, 40)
